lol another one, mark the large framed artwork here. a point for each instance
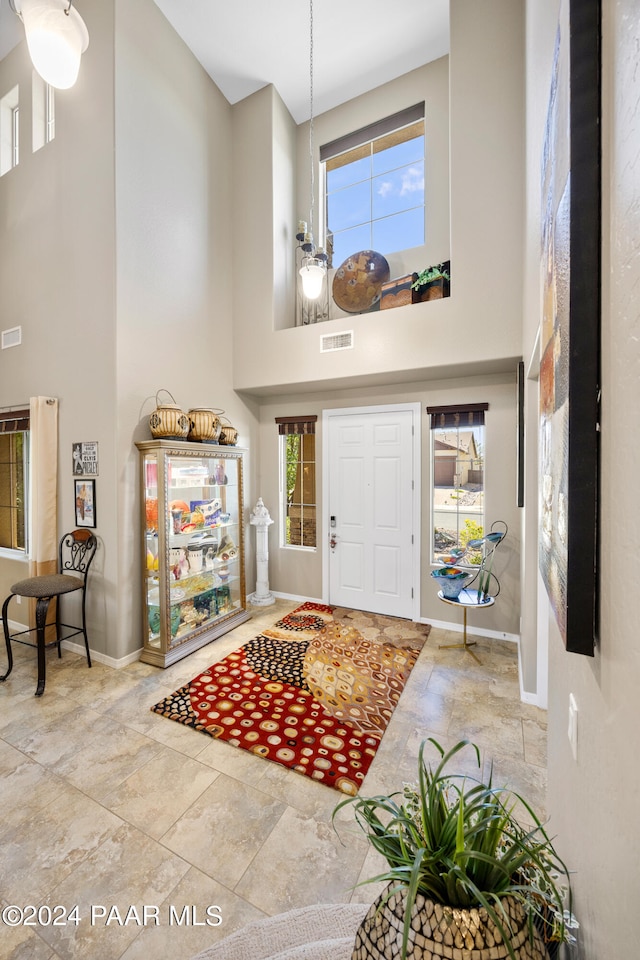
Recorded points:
(570, 328)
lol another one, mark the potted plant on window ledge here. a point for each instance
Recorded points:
(432, 283)
(463, 873)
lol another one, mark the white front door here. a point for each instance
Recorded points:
(371, 511)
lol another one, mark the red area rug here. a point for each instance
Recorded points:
(314, 693)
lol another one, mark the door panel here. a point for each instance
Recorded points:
(371, 497)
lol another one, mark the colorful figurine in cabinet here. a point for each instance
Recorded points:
(178, 562)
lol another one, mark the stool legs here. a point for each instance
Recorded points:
(7, 638)
(42, 606)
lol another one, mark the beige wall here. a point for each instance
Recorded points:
(57, 280)
(593, 800)
(478, 328)
(174, 260)
(300, 572)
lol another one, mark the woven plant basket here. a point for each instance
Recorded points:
(228, 434)
(168, 421)
(442, 933)
(204, 424)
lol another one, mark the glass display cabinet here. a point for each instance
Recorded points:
(193, 576)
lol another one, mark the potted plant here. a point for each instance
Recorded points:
(433, 283)
(462, 872)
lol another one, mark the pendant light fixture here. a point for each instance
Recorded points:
(56, 38)
(314, 262)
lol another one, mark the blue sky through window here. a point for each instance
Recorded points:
(377, 201)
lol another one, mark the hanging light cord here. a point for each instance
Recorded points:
(311, 116)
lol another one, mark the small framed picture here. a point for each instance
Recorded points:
(85, 459)
(85, 493)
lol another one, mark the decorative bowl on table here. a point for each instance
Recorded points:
(451, 581)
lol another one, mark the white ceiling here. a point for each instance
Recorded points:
(246, 44)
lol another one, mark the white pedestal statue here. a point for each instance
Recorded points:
(260, 519)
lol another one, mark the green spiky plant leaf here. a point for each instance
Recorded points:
(456, 840)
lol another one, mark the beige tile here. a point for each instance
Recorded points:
(53, 741)
(196, 891)
(21, 715)
(133, 710)
(303, 861)
(526, 779)
(42, 852)
(488, 727)
(234, 761)
(23, 943)
(148, 798)
(25, 779)
(93, 752)
(111, 754)
(224, 829)
(151, 872)
(535, 739)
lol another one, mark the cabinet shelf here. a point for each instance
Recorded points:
(193, 583)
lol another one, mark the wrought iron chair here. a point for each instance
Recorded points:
(76, 551)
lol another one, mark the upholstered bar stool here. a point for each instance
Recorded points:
(76, 552)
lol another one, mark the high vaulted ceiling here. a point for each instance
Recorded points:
(245, 44)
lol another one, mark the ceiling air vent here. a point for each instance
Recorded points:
(336, 341)
(12, 337)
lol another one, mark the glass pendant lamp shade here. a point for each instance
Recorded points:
(56, 37)
(312, 274)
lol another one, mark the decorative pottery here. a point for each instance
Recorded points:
(451, 581)
(398, 292)
(168, 421)
(443, 932)
(204, 424)
(357, 283)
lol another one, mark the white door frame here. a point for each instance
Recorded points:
(414, 408)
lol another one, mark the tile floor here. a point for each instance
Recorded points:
(106, 805)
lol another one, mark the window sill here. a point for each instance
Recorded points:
(7, 553)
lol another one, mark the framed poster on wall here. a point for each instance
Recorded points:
(85, 494)
(570, 328)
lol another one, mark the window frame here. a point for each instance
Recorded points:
(13, 552)
(461, 418)
(368, 135)
(303, 427)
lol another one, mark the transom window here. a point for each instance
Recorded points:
(374, 187)
(457, 450)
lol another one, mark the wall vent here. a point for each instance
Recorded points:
(12, 337)
(336, 341)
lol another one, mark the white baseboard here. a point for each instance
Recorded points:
(476, 631)
(294, 597)
(15, 627)
(117, 664)
(525, 695)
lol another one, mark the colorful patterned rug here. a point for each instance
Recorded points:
(314, 693)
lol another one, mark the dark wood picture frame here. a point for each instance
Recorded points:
(85, 502)
(570, 341)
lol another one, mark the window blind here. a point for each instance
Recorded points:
(14, 421)
(296, 425)
(371, 132)
(458, 415)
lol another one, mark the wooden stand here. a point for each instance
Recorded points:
(465, 599)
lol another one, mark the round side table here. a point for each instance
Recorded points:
(465, 599)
